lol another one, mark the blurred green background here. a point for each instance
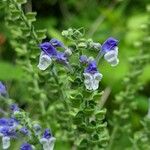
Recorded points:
(121, 19)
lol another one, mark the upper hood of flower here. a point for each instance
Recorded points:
(109, 44)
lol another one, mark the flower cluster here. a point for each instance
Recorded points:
(49, 52)
(19, 125)
(92, 77)
(15, 128)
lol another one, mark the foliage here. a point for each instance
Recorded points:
(76, 116)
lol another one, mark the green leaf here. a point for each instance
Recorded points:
(26, 31)
(15, 14)
(31, 16)
(41, 34)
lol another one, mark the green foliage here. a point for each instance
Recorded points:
(67, 108)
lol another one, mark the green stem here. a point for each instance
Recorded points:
(112, 138)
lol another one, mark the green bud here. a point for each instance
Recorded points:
(82, 45)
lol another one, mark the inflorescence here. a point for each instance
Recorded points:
(19, 126)
(92, 77)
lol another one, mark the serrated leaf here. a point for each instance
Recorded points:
(41, 34)
(31, 16)
(15, 14)
(26, 31)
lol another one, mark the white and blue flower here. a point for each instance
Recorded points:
(49, 53)
(47, 140)
(110, 51)
(92, 76)
(7, 131)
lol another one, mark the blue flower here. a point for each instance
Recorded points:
(49, 52)
(8, 131)
(47, 140)
(14, 107)
(4, 121)
(61, 58)
(110, 50)
(37, 129)
(92, 76)
(26, 146)
(83, 59)
(91, 68)
(109, 44)
(56, 43)
(47, 134)
(8, 122)
(3, 91)
(48, 49)
(24, 131)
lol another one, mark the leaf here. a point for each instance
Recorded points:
(31, 16)
(15, 14)
(41, 34)
(9, 71)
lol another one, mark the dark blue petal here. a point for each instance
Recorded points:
(109, 44)
(2, 89)
(83, 59)
(8, 131)
(56, 43)
(7, 122)
(47, 134)
(48, 49)
(26, 146)
(24, 131)
(14, 107)
(61, 57)
(91, 68)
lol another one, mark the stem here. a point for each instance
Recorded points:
(112, 138)
(99, 56)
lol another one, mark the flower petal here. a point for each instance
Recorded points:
(6, 142)
(44, 61)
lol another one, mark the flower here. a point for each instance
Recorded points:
(49, 52)
(110, 50)
(14, 107)
(37, 129)
(2, 89)
(61, 57)
(8, 122)
(56, 43)
(48, 49)
(83, 59)
(47, 140)
(24, 131)
(26, 146)
(109, 44)
(92, 76)
(6, 142)
(112, 57)
(7, 131)
(8, 127)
